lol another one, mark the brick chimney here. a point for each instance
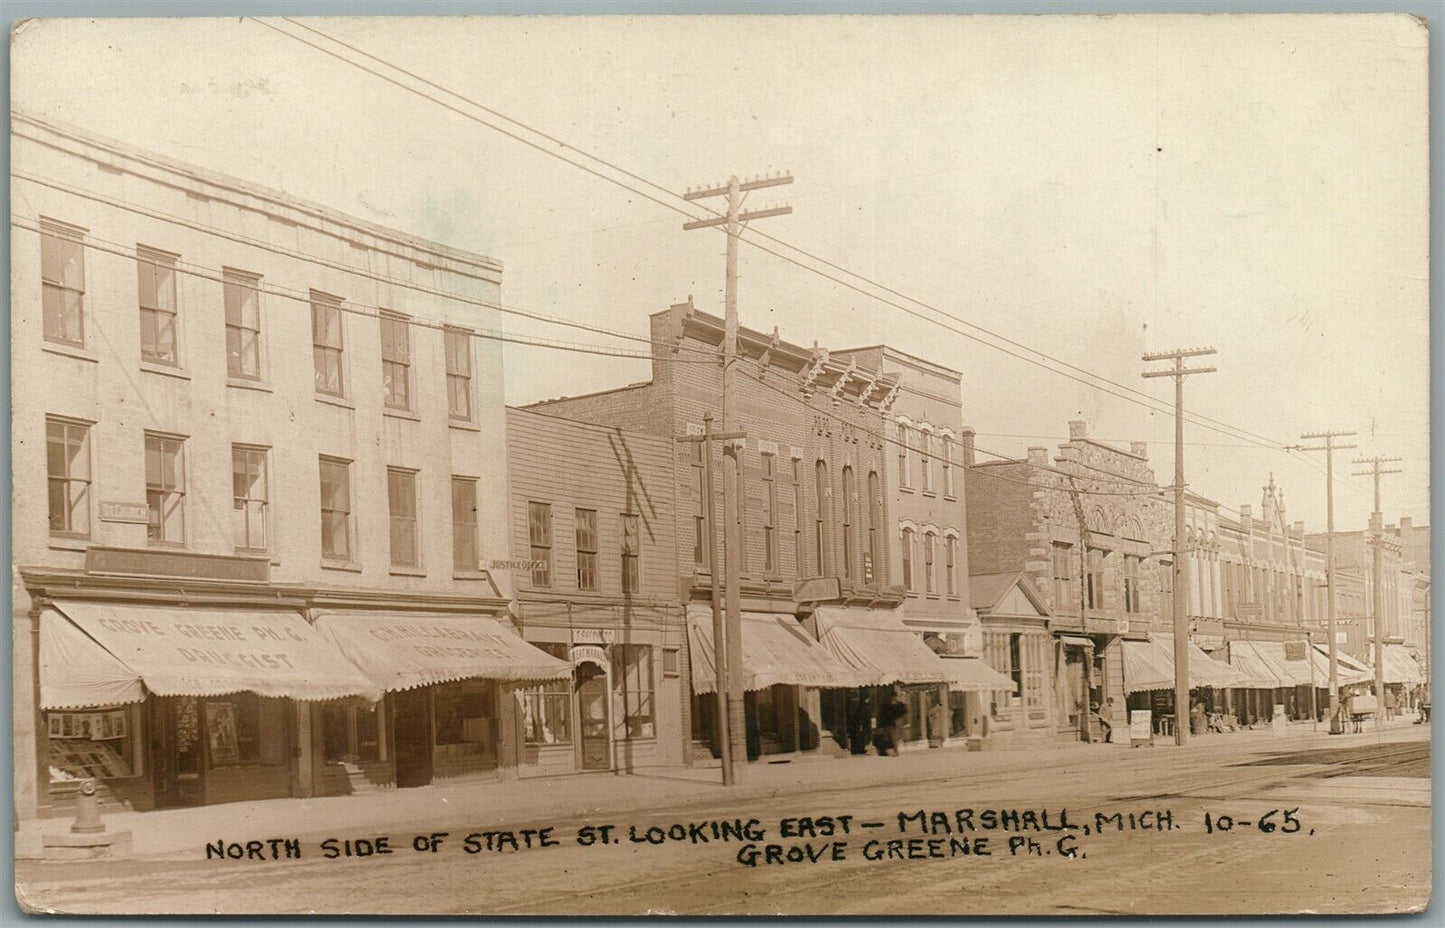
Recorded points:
(965, 440)
(1140, 449)
(1407, 524)
(1078, 428)
(1039, 455)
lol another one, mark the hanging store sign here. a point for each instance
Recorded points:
(594, 636)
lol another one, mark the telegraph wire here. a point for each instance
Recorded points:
(1144, 399)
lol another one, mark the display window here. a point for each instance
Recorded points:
(352, 734)
(102, 743)
(547, 708)
(466, 724)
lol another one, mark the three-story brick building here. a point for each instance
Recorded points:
(258, 489)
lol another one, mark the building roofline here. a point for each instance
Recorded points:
(932, 367)
(590, 426)
(216, 179)
(583, 396)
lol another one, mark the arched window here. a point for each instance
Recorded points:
(874, 569)
(850, 505)
(929, 542)
(905, 458)
(925, 456)
(946, 457)
(908, 559)
(820, 518)
(950, 564)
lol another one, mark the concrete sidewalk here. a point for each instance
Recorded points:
(474, 806)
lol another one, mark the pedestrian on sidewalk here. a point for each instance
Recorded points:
(1391, 703)
(937, 723)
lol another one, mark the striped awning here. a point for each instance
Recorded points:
(1400, 666)
(776, 650)
(876, 643)
(109, 649)
(974, 675)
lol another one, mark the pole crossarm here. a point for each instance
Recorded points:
(742, 217)
(757, 183)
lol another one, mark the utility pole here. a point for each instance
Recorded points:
(1377, 602)
(719, 634)
(1329, 448)
(734, 221)
(1181, 598)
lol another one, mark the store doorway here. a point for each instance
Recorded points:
(1074, 692)
(177, 743)
(412, 712)
(593, 711)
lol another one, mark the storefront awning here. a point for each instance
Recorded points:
(1149, 665)
(179, 651)
(77, 673)
(876, 643)
(1260, 671)
(974, 675)
(1400, 667)
(401, 652)
(1349, 670)
(1076, 641)
(776, 650)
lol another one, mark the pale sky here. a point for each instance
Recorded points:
(1092, 187)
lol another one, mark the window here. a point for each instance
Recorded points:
(741, 495)
(547, 707)
(243, 324)
(62, 278)
(100, 742)
(946, 458)
(165, 489)
(1131, 583)
(1166, 589)
(928, 544)
(701, 544)
(925, 456)
(352, 734)
(156, 279)
(1094, 579)
(250, 497)
(850, 503)
(1032, 648)
(799, 566)
(233, 729)
(586, 525)
(464, 523)
(401, 503)
(950, 564)
(1002, 652)
(465, 718)
(905, 461)
(1062, 559)
(872, 569)
(632, 676)
(631, 552)
(396, 362)
(326, 344)
(459, 374)
(67, 466)
(820, 525)
(539, 531)
(335, 509)
(908, 559)
(770, 513)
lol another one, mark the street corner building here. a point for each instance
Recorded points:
(260, 484)
(854, 614)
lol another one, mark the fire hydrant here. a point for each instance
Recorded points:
(87, 810)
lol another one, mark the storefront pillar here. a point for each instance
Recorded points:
(25, 632)
(509, 733)
(303, 768)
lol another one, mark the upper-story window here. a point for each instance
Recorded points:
(62, 276)
(396, 361)
(1132, 601)
(250, 497)
(1063, 574)
(945, 457)
(539, 535)
(925, 457)
(1094, 579)
(156, 282)
(799, 561)
(930, 541)
(850, 506)
(631, 552)
(950, 564)
(327, 344)
(770, 512)
(401, 503)
(459, 374)
(243, 324)
(701, 543)
(820, 518)
(873, 569)
(907, 551)
(67, 459)
(905, 457)
(165, 489)
(335, 508)
(464, 523)
(586, 531)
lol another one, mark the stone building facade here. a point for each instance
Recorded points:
(1085, 530)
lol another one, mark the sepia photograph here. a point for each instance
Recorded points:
(807, 465)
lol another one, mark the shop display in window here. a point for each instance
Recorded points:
(90, 744)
